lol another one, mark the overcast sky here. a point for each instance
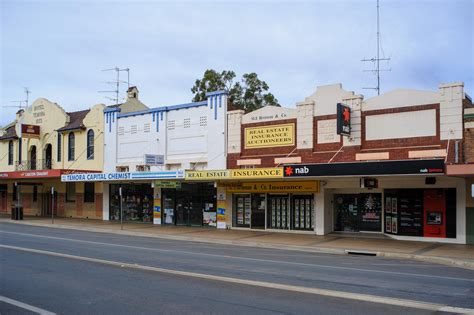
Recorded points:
(57, 49)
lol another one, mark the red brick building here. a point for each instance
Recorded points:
(387, 175)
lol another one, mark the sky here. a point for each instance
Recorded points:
(58, 49)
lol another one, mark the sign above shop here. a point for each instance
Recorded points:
(415, 167)
(270, 136)
(154, 159)
(343, 120)
(118, 176)
(207, 175)
(276, 187)
(30, 131)
(250, 173)
(167, 184)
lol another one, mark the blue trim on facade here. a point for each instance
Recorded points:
(106, 118)
(113, 109)
(157, 124)
(161, 116)
(110, 125)
(163, 109)
(216, 93)
(113, 117)
(220, 101)
(188, 105)
(153, 117)
(215, 107)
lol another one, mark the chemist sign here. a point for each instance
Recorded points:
(120, 176)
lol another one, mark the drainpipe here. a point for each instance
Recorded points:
(456, 152)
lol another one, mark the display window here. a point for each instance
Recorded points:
(358, 212)
(137, 202)
(193, 204)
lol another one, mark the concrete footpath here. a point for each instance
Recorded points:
(447, 254)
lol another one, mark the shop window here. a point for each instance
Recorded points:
(59, 147)
(70, 192)
(71, 146)
(35, 193)
(89, 192)
(10, 152)
(90, 144)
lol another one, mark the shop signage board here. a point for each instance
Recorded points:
(250, 173)
(270, 136)
(343, 120)
(31, 174)
(415, 167)
(30, 131)
(167, 184)
(207, 175)
(276, 187)
(118, 176)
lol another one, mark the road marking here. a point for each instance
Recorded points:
(263, 284)
(25, 306)
(245, 258)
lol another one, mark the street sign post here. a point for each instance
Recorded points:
(121, 209)
(52, 205)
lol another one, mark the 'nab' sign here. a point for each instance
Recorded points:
(343, 120)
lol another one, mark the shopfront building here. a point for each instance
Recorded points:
(43, 143)
(367, 154)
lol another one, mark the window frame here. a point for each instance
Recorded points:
(90, 144)
(59, 153)
(71, 149)
(70, 190)
(10, 152)
(89, 192)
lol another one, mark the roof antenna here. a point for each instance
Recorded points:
(20, 103)
(377, 59)
(117, 82)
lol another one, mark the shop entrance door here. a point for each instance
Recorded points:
(279, 212)
(46, 205)
(3, 201)
(258, 211)
(358, 212)
(302, 212)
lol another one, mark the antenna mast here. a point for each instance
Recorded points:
(377, 59)
(117, 82)
(20, 103)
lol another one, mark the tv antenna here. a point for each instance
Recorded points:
(377, 59)
(25, 102)
(116, 83)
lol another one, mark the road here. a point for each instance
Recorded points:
(76, 272)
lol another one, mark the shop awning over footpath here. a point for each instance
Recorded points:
(34, 174)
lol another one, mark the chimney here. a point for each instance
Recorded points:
(132, 93)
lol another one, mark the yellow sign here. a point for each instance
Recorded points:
(277, 187)
(249, 173)
(207, 175)
(270, 136)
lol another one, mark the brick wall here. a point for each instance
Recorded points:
(468, 147)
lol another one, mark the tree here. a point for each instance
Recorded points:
(249, 94)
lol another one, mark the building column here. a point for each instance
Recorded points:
(157, 205)
(105, 201)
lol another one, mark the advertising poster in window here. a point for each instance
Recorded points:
(394, 225)
(388, 224)
(388, 205)
(394, 205)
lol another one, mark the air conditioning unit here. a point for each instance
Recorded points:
(153, 159)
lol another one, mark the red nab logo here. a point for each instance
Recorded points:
(288, 171)
(346, 115)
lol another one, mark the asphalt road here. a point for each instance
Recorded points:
(75, 272)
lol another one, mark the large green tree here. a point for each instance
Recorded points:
(250, 93)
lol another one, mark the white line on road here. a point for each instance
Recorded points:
(25, 306)
(245, 258)
(292, 288)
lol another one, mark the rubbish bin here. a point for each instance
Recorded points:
(17, 213)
